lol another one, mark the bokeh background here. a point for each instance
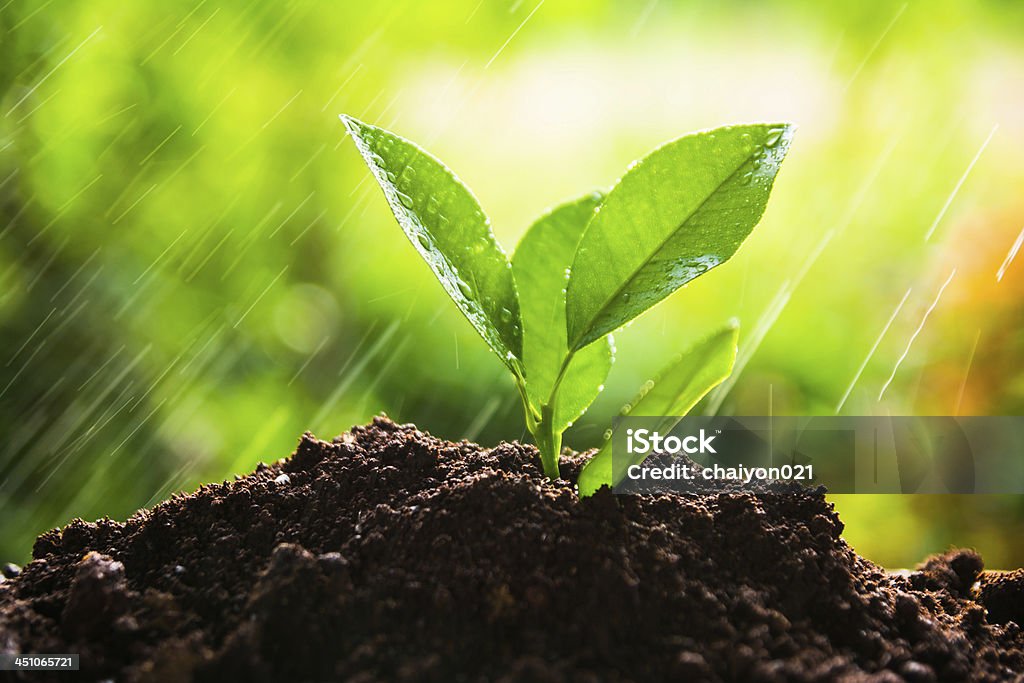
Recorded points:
(195, 266)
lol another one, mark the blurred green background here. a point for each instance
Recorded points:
(195, 266)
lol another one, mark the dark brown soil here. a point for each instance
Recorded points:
(389, 555)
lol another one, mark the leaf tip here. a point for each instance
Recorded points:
(352, 124)
(785, 137)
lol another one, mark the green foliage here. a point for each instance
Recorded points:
(680, 211)
(677, 389)
(541, 264)
(587, 267)
(446, 225)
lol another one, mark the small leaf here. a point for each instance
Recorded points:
(674, 215)
(446, 225)
(681, 385)
(541, 264)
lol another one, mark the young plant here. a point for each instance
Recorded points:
(587, 267)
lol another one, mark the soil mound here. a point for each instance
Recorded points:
(389, 555)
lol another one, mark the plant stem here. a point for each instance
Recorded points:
(561, 375)
(530, 413)
(542, 424)
(549, 442)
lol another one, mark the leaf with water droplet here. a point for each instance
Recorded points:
(677, 213)
(440, 216)
(541, 263)
(773, 137)
(677, 390)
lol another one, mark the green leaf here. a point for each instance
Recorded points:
(681, 385)
(674, 215)
(446, 225)
(541, 264)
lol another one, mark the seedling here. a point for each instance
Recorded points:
(587, 267)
